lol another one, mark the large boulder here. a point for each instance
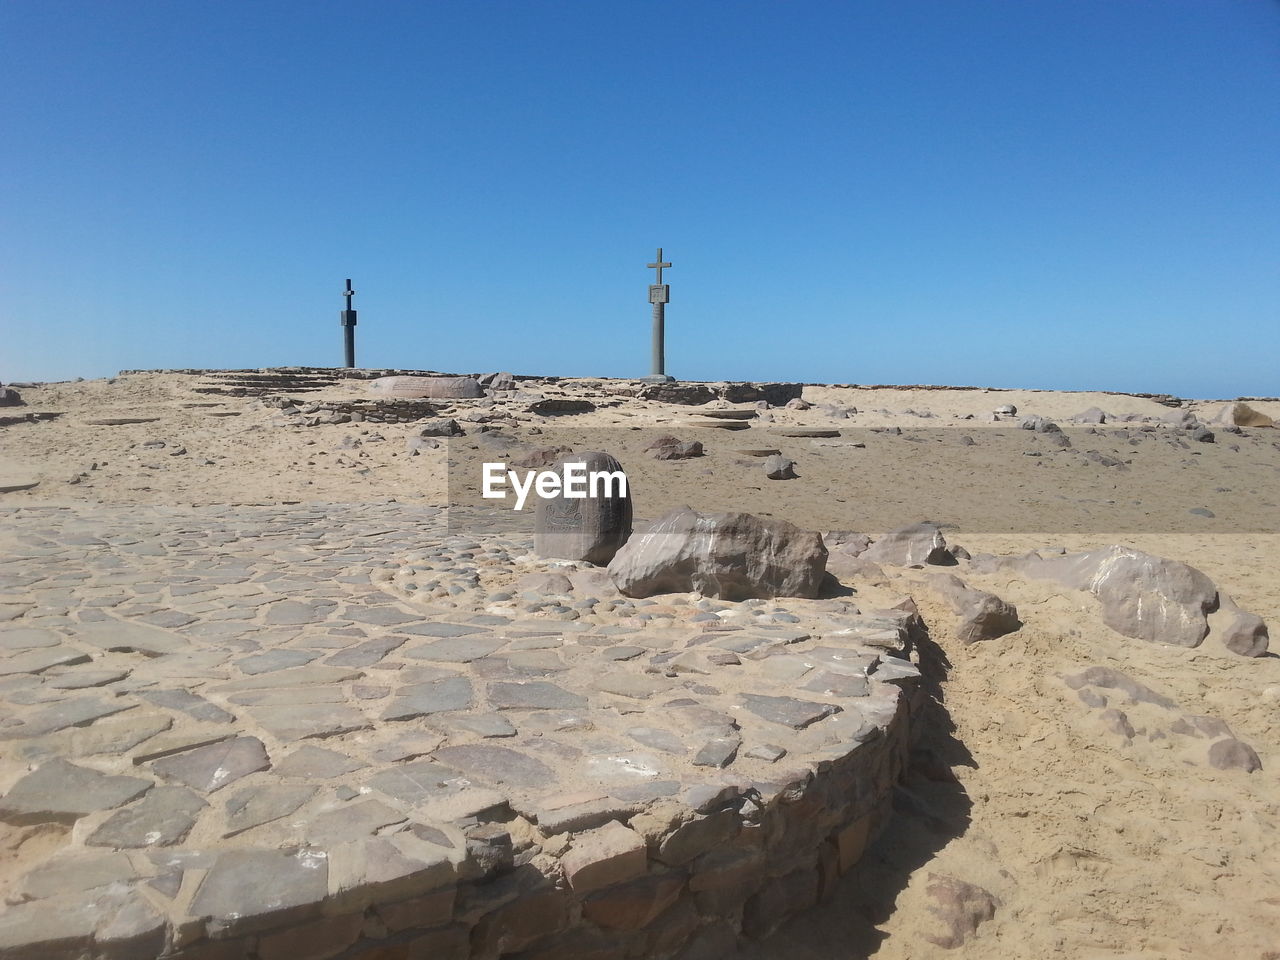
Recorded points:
(909, 546)
(1243, 415)
(433, 388)
(1142, 596)
(735, 556)
(10, 397)
(590, 528)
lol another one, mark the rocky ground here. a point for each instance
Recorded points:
(1073, 795)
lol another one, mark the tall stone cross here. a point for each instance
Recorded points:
(659, 296)
(348, 321)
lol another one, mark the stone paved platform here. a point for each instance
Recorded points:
(307, 731)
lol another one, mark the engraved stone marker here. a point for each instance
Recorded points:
(589, 528)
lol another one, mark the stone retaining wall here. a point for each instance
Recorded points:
(249, 734)
(667, 882)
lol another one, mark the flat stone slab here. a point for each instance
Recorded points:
(64, 714)
(118, 421)
(457, 649)
(37, 661)
(62, 792)
(497, 765)
(443, 629)
(298, 612)
(788, 711)
(728, 414)
(718, 425)
(129, 637)
(215, 766)
(316, 763)
(533, 695)
(163, 817)
(245, 888)
(307, 721)
(188, 703)
(28, 638)
(254, 806)
(422, 699)
(816, 432)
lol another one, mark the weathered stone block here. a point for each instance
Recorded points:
(631, 906)
(318, 940)
(734, 556)
(62, 792)
(851, 843)
(379, 869)
(247, 891)
(426, 911)
(698, 836)
(779, 899)
(431, 388)
(672, 929)
(600, 858)
(537, 912)
(582, 943)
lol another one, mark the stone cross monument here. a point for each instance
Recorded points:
(659, 296)
(348, 321)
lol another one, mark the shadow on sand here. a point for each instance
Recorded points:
(930, 809)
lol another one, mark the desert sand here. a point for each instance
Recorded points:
(1090, 843)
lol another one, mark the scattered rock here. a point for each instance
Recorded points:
(779, 468)
(1092, 415)
(438, 427)
(983, 616)
(1232, 754)
(1243, 632)
(917, 544)
(560, 406)
(962, 907)
(1039, 425)
(671, 448)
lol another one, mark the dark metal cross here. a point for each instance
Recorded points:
(658, 266)
(348, 320)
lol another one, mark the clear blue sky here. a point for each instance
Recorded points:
(1050, 193)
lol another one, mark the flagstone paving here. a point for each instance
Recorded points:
(224, 726)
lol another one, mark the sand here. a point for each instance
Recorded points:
(1093, 847)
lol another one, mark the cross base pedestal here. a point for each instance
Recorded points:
(657, 378)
